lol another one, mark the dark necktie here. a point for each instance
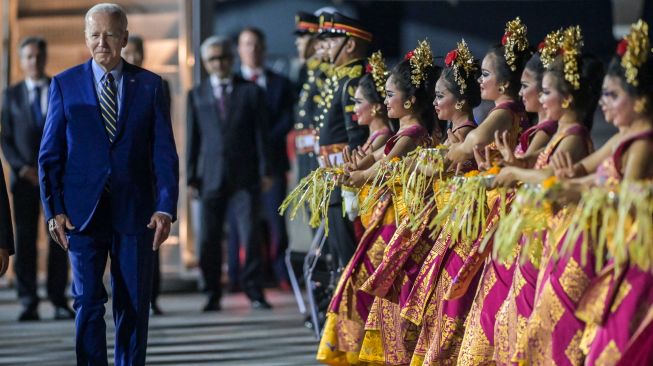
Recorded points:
(109, 106)
(222, 102)
(36, 106)
(254, 77)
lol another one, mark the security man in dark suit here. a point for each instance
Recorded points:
(279, 99)
(227, 164)
(23, 117)
(6, 230)
(337, 127)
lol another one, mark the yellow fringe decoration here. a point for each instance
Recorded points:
(633, 235)
(528, 217)
(387, 175)
(615, 224)
(594, 218)
(315, 191)
(416, 183)
(464, 214)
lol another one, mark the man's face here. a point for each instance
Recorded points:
(218, 61)
(322, 49)
(132, 55)
(302, 42)
(250, 49)
(336, 49)
(32, 61)
(105, 39)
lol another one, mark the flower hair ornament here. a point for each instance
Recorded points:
(461, 61)
(376, 67)
(633, 50)
(420, 58)
(550, 47)
(572, 43)
(514, 40)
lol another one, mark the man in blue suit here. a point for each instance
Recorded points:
(109, 185)
(6, 229)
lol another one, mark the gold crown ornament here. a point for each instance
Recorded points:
(376, 67)
(572, 43)
(633, 50)
(550, 47)
(420, 58)
(461, 61)
(514, 40)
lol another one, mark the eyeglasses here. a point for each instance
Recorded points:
(219, 58)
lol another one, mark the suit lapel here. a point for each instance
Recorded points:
(234, 99)
(90, 97)
(25, 104)
(208, 99)
(129, 86)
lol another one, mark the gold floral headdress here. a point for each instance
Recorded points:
(550, 47)
(572, 43)
(633, 50)
(461, 61)
(514, 40)
(376, 67)
(420, 58)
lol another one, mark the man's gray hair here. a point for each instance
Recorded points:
(114, 10)
(220, 41)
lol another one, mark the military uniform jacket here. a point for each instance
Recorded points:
(314, 75)
(337, 122)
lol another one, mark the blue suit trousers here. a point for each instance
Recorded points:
(131, 282)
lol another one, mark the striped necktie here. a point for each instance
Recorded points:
(109, 106)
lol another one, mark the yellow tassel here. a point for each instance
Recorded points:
(313, 191)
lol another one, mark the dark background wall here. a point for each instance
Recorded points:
(398, 25)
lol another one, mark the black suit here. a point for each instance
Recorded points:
(6, 230)
(279, 101)
(21, 138)
(225, 161)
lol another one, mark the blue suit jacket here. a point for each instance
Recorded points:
(76, 157)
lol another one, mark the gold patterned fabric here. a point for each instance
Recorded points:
(389, 339)
(475, 348)
(344, 328)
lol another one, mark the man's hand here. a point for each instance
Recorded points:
(4, 261)
(30, 174)
(57, 227)
(266, 183)
(161, 224)
(193, 191)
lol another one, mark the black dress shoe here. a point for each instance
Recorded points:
(63, 312)
(29, 314)
(261, 304)
(213, 304)
(234, 288)
(155, 309)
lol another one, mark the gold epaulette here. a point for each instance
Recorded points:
(313, 64)
(349, 71)
(326, 68)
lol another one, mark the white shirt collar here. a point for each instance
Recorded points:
(216, 81)
(247, 72)
(31, 84)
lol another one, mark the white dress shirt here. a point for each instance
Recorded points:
(31, 92)
(248, 73)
